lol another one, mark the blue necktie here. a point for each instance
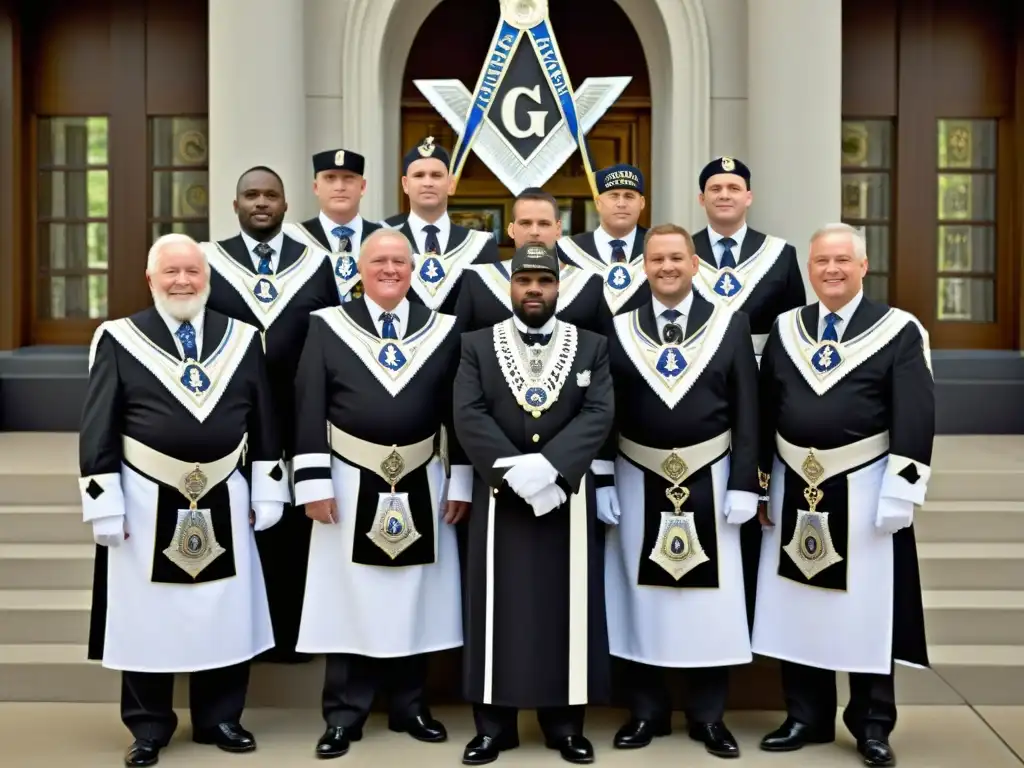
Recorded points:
(344, 235)
(618, 251)
(433, 245)
(728, 260)
(671, 315)
(187, 336)
(829, 334)
(388, 329)
(264, 252)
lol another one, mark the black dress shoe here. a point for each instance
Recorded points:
(335, 741)
(421, 727)
(876, 752)
(485, 749)
(716, 738)
(639, 733)
(573, 749)
(231, 737)
(142, 752)
(793, 735)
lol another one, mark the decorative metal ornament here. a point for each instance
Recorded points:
(194, 547)
(393, 529)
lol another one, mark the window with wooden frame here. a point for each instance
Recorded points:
(179, 177)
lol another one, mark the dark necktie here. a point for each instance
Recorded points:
(388, 328)
(830, 334)
(186, 334)
(264, 252)
(618, 251)
(673, 333)
(433, 245)
(535, 338)
(728, 260)
(344, 235)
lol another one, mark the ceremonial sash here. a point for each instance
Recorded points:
(344, 265)
(733, 286)
(671, 370)
(497, 280)
(621, 280)
(823, 364)
(266, 295)
(536, 393)
(198, 386)
(392, 362)
(438, 274)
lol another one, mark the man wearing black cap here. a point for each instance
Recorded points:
(447, 248)
(339, 185)
(269, 280)
(534, 402)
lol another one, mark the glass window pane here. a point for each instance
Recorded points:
(964, 299)
(867, 144)
(179, 194)
(967, 144)
(967, 197)
(197, 230)
(876, 287)
(179, 141)
(866, 196)
(876, 237)
(73, 141)
(73, 194)
(76, 297)
(73, 246)
(964, 248)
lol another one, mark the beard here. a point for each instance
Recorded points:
(181, 309)
(536, 318)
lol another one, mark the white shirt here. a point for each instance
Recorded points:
(845, 314)
(545, 330)
(401, 313)
(683, 306)
(276, 242)
(356, 225)
(444, 226)
(603, 241)
(718, 249)
(173, 326)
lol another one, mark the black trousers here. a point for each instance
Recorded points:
(215, 696)
(351, 682)
(811, 698)
(284, 550)
(648, 696)
(503, 722)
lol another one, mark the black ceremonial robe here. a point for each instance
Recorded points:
(535, 632)
(303, 283)
(346, 276)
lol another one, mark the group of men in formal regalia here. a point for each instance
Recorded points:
(625, 451)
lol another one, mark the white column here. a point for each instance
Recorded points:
(257, 99)
(794, 106)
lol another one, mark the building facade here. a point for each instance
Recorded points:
(124, 119)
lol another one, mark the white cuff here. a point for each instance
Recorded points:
(270, 482)
(101, 496)
(602, 467)
(268, 514)
(906, 479)
(312, 477)
(460, 485)
(740, 506)
(313, 490)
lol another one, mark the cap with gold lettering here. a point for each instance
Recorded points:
(338, 160)
(620, 176)
(534, 258)
(724, 165)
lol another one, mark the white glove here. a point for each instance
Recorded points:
(740, 506)
(530, 474)
(108, 531)
(547, 499)
(608, 505)
(893, 514)
(268, 514)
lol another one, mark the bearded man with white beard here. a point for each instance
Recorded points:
(180, 460)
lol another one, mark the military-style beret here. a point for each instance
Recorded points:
(724, 165)
(425, 150)
(620, 176)
(338, 160)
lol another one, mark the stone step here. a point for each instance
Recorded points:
(46, 566)
(970, 521)
(969, 566)
(43, 524)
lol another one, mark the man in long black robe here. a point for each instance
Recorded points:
(534, 402)
(848, 420)
(686, 426)
(446, 248)
(265, 278)
(177, 412)
(383, 587)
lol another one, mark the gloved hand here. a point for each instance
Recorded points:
(547, 499)
(530, 474)
(268, 514)
(740, 506)
(608, 505)
(893, 514)
(108, 531)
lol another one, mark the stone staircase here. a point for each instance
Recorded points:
(971, 546)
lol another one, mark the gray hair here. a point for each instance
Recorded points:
(860, 248)
(384, 233)
(166, 241)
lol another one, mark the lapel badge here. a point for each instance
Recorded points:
(265, 292)
(583, 378)
(426, 149)
(728, 164)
